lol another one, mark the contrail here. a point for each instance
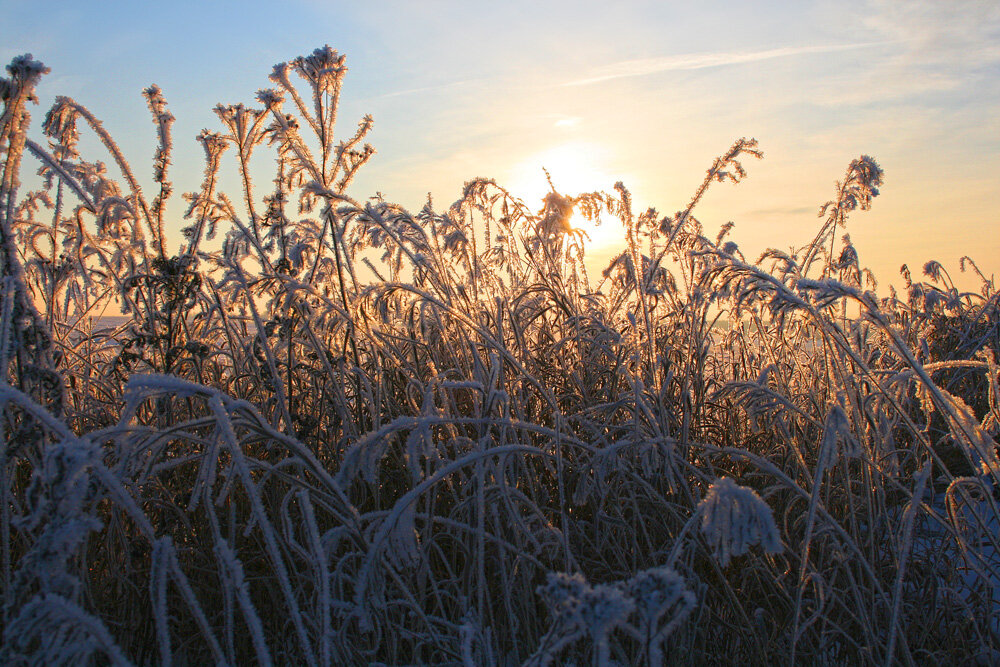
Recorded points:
(690, 61)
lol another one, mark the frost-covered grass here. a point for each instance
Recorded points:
(350, 434)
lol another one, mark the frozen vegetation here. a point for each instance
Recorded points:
(339, 432)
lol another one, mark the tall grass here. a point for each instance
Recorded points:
(348, 433)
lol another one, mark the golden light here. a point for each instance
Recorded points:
(575, 169)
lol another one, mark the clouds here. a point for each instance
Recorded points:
(942, 46)
(959, 32)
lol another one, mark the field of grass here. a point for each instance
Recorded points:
(336, 432)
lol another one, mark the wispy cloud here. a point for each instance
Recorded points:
(793, 211)
(424, 89)
(692, 61)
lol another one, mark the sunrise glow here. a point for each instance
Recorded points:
(913, 85)
(575, 169)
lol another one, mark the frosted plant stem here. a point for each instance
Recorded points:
(6, 496)
(909, 517)
(814, 503)
(158, 597)
(112, 148)
(267, 530)
(272, 367)
(389, 523)
(560, 467)
(679, 540)
(321, 569)
(481, 532)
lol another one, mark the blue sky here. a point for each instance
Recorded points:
(647, 93)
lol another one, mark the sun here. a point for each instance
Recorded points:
(575, 168)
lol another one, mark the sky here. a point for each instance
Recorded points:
(643, 92)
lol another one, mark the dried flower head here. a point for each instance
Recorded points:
(734, 518)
